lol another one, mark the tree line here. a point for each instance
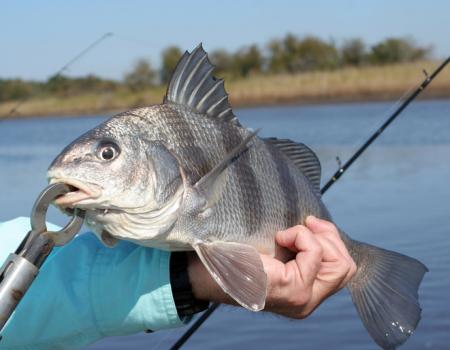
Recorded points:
(290, 54)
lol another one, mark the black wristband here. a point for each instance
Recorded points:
(185, 301)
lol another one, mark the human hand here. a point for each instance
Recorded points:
(321, 267)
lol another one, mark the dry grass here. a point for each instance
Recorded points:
(348, 84)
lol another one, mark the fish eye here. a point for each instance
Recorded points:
(108, 151)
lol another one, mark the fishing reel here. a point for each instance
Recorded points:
(21, 267)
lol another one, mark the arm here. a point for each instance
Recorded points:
(321, 267)
(86, 291)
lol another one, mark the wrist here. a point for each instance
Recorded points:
(186, 301)
(203, 285)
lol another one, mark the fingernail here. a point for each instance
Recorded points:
(311, 218)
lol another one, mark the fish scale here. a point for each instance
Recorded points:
(186, 175)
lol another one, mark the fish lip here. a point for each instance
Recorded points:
(82, 192)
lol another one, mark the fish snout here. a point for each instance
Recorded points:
(81, 191)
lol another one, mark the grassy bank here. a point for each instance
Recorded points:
(348, 84)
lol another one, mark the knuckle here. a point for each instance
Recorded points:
(346, 269)
(332, 230)
(330, 226)
(302, 298)
(304, 315)
(329, 235)
(300, 229)
(343, 269)
(317, 250)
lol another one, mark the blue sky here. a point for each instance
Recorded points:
(38, 37)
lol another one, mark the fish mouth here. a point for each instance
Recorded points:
(79, 192)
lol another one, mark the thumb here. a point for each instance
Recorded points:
(317, 225)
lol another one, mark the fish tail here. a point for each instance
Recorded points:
(385, 292)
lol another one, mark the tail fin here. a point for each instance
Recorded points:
(384, 291)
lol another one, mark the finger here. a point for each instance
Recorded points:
(327, 228)
(330, 252)
(309, 258)
(317, 225)
(334, 263)
(287, 237)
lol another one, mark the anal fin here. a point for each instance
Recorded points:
(238, 270)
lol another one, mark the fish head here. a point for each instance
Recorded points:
(119, 176)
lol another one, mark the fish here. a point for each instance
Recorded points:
(186, 175)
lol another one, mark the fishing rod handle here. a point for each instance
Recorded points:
(16, 276)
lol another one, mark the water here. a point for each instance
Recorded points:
(396, 196)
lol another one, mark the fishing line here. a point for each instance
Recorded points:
(77, 57)
(342, 169)
(136, 41)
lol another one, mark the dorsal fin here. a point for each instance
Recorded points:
(302, 156)
(193, 85)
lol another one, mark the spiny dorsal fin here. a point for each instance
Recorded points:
(193, 85)
(302, 156)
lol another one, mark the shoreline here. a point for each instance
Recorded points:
(290, 102)
(293, 102)
(347, 85)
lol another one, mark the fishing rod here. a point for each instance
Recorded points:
(66, 66)
(342, 169)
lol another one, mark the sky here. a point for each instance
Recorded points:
(38, 37)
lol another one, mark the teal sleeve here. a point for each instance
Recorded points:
(86, 291)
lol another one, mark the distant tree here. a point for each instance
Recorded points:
(277, 56)
(93, 83)
(353, 53)
(170, 58)
(58, 84)
(67, 86)
(142, 76)
(283, 54)
(16, 89)
(247, 60)
(315, 54)
(294, 55)
(223, 61)
(291, 52)
(394, 50)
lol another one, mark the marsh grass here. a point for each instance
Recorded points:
(346, 84)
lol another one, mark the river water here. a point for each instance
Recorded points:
(397, 196)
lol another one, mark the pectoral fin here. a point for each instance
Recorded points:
(212, 184)
(238, 270)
